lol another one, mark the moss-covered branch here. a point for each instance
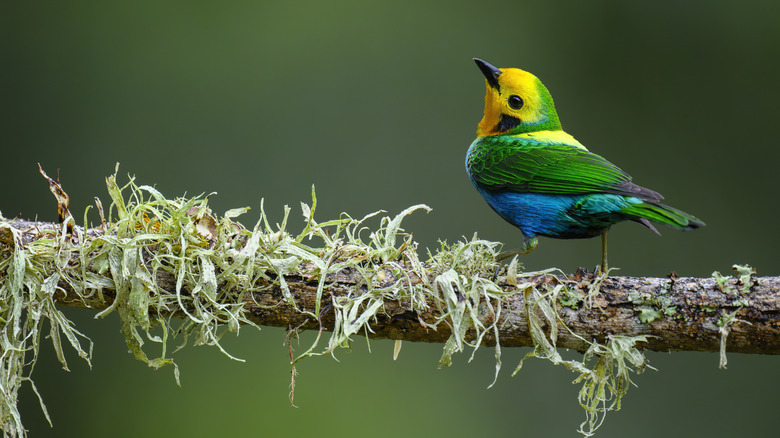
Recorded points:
(172, 268)
(687, 314)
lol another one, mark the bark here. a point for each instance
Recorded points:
(696, 307)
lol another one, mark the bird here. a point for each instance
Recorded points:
(542, 180)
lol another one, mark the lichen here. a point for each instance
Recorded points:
(215, 260)
(603, 372)
(744, 281)
(650, 307)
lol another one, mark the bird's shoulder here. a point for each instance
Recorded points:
(493, 150)
(541, 138)
(534, 139)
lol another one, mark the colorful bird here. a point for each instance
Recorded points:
(542, 180)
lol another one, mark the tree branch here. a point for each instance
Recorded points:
(690, 314)
(695, 325)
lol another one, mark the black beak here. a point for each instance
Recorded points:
(491, 73)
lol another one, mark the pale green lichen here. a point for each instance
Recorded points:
(570, 298)
(214, 260)
(745, 276)
(30, 279)
(603, 372)
(650, 307)
(745, 281)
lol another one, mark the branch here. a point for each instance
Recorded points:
(688, 314)
(695, 323)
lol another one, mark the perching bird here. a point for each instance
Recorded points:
(543, 181)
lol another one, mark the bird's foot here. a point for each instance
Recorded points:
(495, 274)
(529, 244)
(601, 274)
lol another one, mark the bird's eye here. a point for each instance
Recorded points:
(515, 101)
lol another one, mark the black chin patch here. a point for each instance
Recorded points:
(506, 123)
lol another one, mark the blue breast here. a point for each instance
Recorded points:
(559, 216)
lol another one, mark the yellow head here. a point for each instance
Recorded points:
(516, 102)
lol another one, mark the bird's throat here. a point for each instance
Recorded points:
(506, 123)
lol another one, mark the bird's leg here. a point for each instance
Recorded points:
(604, 253)
(529, 244)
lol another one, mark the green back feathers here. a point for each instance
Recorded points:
(524, 166)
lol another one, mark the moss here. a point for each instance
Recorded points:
(214, 258)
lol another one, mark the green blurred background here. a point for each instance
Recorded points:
(376, 104)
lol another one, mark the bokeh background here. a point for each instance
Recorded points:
(376, 104)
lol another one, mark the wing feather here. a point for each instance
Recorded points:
(510, 163)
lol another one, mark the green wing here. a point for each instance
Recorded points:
(510, 163)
